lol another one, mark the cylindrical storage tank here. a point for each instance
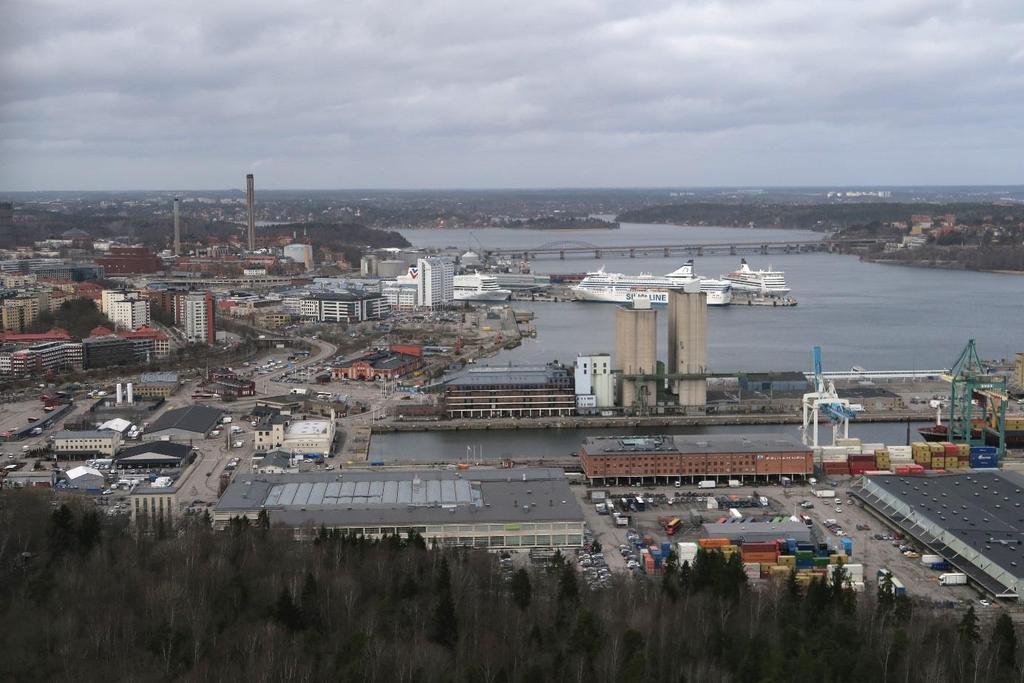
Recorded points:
(636, 348)
(131, 395)
(687, 343)
(391, 268)
(119, 394)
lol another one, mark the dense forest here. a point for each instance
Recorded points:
(83, 599)
(812, 216)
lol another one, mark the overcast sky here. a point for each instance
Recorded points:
(130, 94)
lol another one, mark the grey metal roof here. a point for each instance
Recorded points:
(158, 378)
(86, 434)
(703, 444)
(199, 419)
(984, 510)
(162, 448)
(753, 532)
(516, 374)
(403, 497)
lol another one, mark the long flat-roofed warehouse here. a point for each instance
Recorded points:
(975, 520)
(501, 508)
(671, 458)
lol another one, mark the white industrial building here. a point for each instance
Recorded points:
(294, 436)
(85, 479)
(595, 384)
(87, 442)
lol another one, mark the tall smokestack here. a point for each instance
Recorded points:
(250, 206)
(177, 228)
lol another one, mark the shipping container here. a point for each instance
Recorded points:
(953, 579)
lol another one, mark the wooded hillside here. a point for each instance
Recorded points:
(83, 600)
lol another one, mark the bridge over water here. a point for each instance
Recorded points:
(571, 248)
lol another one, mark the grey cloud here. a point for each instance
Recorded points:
(121, 94)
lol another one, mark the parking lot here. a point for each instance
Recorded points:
(689, 506)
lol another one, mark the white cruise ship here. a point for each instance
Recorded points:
(477, 287)
(768, 282)
(618, 288)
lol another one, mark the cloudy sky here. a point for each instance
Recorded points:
(130, 94)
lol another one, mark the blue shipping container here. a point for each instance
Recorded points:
(666, 548)
(848, 545)
(984, 460)
(984, 449)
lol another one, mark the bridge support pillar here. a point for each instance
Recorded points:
(632, 253)
(700, 251)
(667, 252)
(561, 255)
(597, 253)
(764, 249)
(732, 249)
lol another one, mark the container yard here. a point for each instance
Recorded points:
(773, 529)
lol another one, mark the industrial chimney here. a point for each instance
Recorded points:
(177, 228)
(250, 207)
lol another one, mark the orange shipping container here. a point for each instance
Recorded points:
(709, 543)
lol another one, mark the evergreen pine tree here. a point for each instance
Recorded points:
(62, 530)
(968, 627)
(522, 591)
(444, 627)
(568, 590)
(1004, 636)
(89, 532)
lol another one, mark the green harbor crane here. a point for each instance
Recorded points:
(977, 402)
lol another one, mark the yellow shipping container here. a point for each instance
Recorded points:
(836, 559)
(963, 450)
(919, 446)
(777, 571)
(937, 447)
(787, 560)
(939, 463)
(952, 463)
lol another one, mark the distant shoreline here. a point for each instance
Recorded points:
(938, 265)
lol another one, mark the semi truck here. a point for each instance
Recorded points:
(953, 579)
(706, 484)
(825, 493)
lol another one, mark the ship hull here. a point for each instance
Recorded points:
(656, 297)
(488, 295)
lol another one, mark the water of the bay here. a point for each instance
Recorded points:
(871, 315)
(528, 444)
(876, 316)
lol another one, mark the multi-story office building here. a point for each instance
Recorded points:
(198, 318)
(435, 279)
(346, 308)
(401, 294)
(130, 261)
(514, 391)
(44, 358)
(106, 350)
(129, 313)
(670, 458)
